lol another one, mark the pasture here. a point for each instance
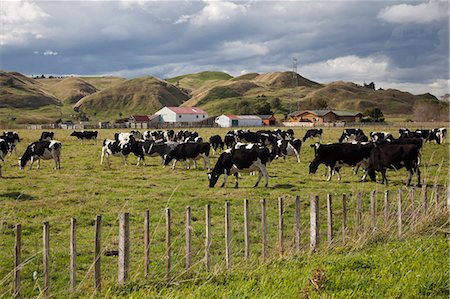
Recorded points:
(373, 266)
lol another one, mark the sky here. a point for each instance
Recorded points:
(396, 44)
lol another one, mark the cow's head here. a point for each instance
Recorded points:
(213, 177)
(22, 163)
(74, 133)
(167, 158)
(313, 166)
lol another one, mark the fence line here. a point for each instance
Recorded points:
(417, 209)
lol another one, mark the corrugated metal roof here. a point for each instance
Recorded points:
(254, 117)
(141, 118)
(187, 110)
(324, 112)
(232, 116)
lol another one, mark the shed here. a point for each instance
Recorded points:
(325, 116)
(231, 120)
(268, 120)
(181, 114)
(143, 121)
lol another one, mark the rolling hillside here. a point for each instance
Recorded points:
(71, 90)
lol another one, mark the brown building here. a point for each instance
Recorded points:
(325, 116)
(268, 120)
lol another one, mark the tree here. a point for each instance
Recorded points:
(262, 108)
(375, 114)
(243, 107)
(275, 103)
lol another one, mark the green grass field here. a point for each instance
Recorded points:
(370, 265)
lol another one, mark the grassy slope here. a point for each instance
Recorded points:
(83, 189)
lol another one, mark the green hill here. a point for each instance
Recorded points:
(141, 95)
(70, 90)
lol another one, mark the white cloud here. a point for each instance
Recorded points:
(50, 53)
(437, 87)
(214, 11)
(239, 49)
(419, 14)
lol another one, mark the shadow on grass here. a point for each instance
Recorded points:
(283, 186)
(17, 196)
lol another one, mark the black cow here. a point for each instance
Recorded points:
(42, 150)
(394, 156)
(216, 143)
(336, 155)
(351, 133)
(248, 137)
(312, 133)
(46, 136)
(11, 139)
(88, 135)
(189, 151)
(3, 153)
(229, 140)
(154, 149)
(285, 148)
(425, 134)
(240, 160)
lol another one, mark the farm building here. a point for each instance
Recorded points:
(181, 114)
(143, 121)
(268, 120)
(231, 120)
(325, 116)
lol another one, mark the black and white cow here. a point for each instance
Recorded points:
(248, 137)
(216, 143)
(197, 139)
(313, 133)
(154, 149)
(438, 135)
(3, 153)
(285, 148)
(115, 148)
(349, 134)
(380, 136)
(424, 133)
(85, 135)
(46, 136)
(233, 161)
(229, 140)
(136, 134)
(11, 139)
(394, 156)
(42, 150)
(189, 151)
(336, 155)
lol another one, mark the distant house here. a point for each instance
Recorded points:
(268, 120)
(325, 116)
(181, 114)
(143, 121)
(231, 120)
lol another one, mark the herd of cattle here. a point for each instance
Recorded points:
(247, 151)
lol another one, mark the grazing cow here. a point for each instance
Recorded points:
(425, 134)
(46, 136)
(336, 155)
(3, 153)
(169, 135)
(233, 161)
(288, 148)
(216, 143)
(194, 139)
(42, 150)
(312, 133)
(403, 132)
(281, 134)
(11, 139)
(438, 135)
(248, 137)
(136, 134)
(154, 149)
(88, 135)
(229, 140)
(394, 156)
(115, 148)
(189, 151)
(380, 136)
(351, 133)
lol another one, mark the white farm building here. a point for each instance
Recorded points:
(181, 114)
(231, 120)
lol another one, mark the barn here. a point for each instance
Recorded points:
(181, 114)
(268, 120)
(231, 120)
(143, 121)
(325, 116)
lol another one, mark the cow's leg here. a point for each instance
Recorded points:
(326, 170)
(225, 177)
(259, 179)
(195, 163)
(297, 154)
(331, 171)
(383, 175)
(410, 174)
(236, 185)
(265, 174)
(366, 171)
(175, 162)
(338, 173)
(418, 176)
(31, 162)
(207, 162)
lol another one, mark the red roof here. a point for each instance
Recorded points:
(141, 118)
(187, 110)
(232, 116)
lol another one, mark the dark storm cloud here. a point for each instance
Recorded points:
(351, 41)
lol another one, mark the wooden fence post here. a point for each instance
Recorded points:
(358, 212)
(73, 254)
(146, 242)
(124, 247)
(344, 217)
(280, 226)
(425, 199)
(208, 236)
(17, 261)
(246, 231)
(97, 254)
(227, 236)
(46, 258)
(329, 218)
(188, 238)
(399, 212)
(297, 223)
(412, 195)
(263, 229)
(437, 196)
(373, 209)
(386, 207)
(167, 245)
(314, 223)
